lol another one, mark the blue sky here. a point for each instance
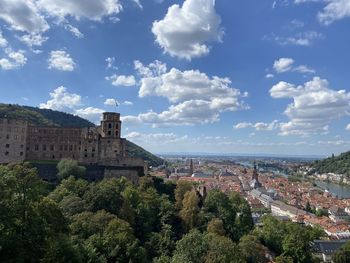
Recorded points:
(262, 76)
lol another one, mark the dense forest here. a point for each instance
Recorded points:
(155, 221)
(336, 164)
(46, 117)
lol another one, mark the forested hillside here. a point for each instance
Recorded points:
(45, 117)
(114, 221)
(335, 164)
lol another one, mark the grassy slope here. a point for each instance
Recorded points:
(45, 117)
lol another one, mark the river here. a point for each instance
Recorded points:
(342, 191)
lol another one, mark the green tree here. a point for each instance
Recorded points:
(105, 195)
(252, 250)
(190, 210)
(68, 167)
(284, 259)
(216, 226)
(273, 232)
(343, 254)
(28, 220)
(182, 187)
(296, 244)
(192, 248)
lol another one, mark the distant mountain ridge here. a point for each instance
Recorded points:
(46, 117)
(336, 164)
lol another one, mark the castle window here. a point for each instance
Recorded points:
(109, 125)
(85, 150)
(66, 147)
(36, 147)
(7, 136)
(109, 133)
(52, 147)
(61, 147)
(70, 148)
(116, 133)
(6, 153)
(7, 145)
(93, 149)
(92, 155)
(53, 157)
(21, 153)
(85, 155)
(22, 146)
(44, 147)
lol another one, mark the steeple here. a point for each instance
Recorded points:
(191, 167)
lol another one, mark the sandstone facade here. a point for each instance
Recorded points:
(102, 145)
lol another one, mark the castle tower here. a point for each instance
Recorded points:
(111, 125)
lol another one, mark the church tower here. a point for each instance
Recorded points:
(191, 167)
(255, 175)
(111, 125)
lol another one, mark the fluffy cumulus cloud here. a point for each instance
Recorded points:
(90, 113)
(61, 99)
(315, 105)
(186, 30)
(122, 80)
(93, 10)
(61, 60)
(348, 127)
(287, 64)
(23, 15)
(259, 126)
(33, 39)
(196, 98)
(14, 60)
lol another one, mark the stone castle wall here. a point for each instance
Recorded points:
(20, 141)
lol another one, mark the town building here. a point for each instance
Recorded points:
(21, 141)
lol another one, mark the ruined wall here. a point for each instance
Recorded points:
(50, 143)
(12, 140)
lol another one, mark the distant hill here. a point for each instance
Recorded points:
(45, 117)
(336, 164)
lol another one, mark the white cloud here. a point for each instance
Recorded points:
(348, 127)
(61, 99)
(33, 39)
(90, 113)
(334, 10)
(110, 63)
(14, 60)
(287, 64)
(111, 102)
(94, 10)
(314, 106)
(269, 76)
(3, 41)
(283, 64)
(259, 126)
(128, 103)
(300, 39)
(185, 31)
(179, 86)
(75, 31)
(137, 2)
(61, 60)
(122, 80)
(23, 15)
(197, 98)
